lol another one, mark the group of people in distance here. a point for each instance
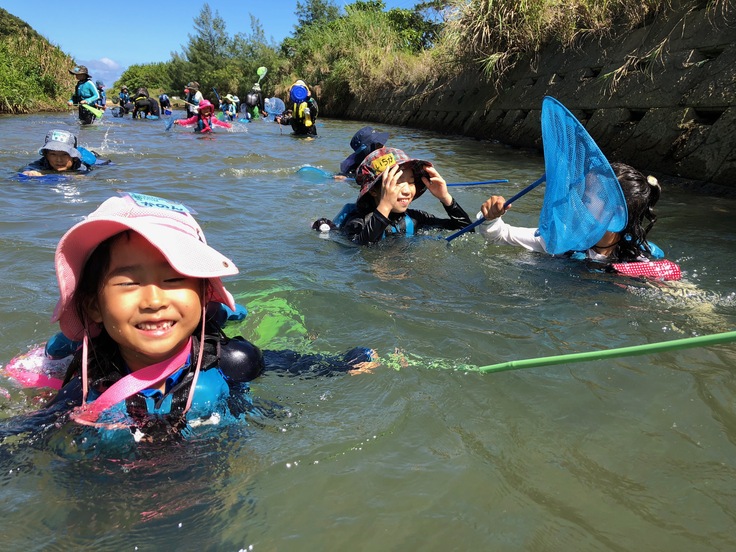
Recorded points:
(301, 113)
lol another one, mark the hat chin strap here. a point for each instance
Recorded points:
(85, 357)
(133, 383)
(200, 355)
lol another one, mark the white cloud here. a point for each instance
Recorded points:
(104, 69)
(109, 63)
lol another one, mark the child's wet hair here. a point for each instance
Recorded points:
(641, 194)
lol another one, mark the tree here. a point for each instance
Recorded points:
(251, 51)
(314, 12)
(210, 47)
(154, 76)
(417, 32)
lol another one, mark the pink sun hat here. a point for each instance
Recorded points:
(168, 226)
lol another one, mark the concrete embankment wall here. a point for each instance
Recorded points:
(662, 97)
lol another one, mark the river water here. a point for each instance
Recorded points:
(636, 453)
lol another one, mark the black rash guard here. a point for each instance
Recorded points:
(366, 228)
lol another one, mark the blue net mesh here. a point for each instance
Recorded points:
(582, 198)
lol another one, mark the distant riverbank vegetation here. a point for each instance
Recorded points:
(34, 74)
(343, 53)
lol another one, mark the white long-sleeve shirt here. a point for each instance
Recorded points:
(497, 231)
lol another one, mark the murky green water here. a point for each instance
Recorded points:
(636, 453)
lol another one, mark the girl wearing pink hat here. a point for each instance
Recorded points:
(141, 308)
(203, 119)
(135, 279)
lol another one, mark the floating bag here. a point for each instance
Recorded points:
(583, 198)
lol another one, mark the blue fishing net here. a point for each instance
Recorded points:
(582, 198)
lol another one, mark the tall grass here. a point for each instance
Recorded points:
(497, 33)
(33, 74)
(356, 55)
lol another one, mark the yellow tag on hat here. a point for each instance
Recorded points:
(380, 164)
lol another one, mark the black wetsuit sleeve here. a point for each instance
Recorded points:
(366, 229)
(370, 228)
(38, 165)
(458, 218)
(291, 363)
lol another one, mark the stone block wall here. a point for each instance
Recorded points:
(662, 97)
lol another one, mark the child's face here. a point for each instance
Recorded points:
(401, 189)
(59, 160)
(147, 308)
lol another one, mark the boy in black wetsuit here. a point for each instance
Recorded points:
(389, 181)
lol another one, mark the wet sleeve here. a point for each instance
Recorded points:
(92, 94)
(68, 397)
(458, 218)
(368, 229)
(290, 363)
(35, 166)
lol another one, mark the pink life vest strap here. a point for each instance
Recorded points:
(657, 270)
(131, 384)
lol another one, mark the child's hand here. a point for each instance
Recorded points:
(70, 102)
(32, 173)
(494, 207)
(392, 196)
(436, 185)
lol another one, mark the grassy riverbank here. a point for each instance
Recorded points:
(33, 73)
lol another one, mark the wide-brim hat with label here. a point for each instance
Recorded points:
(370, 170)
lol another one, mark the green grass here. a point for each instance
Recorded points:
(495, 34)
(33, 73)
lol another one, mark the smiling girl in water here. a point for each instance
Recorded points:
(141, 308)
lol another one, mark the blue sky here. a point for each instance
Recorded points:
(107, 37)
